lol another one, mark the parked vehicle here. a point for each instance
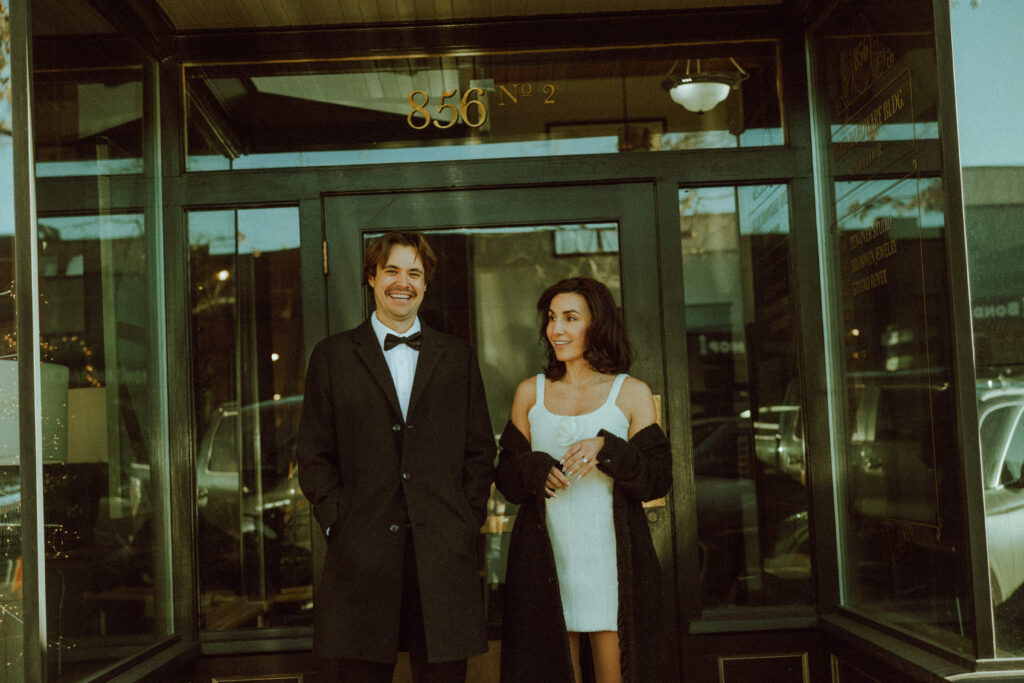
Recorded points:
(259, 442)
(896, 454)
(253, 518)
(1001, 424)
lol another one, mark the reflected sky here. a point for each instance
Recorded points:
(259, 230)
(987, 51)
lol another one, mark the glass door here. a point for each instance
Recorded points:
(497, 250)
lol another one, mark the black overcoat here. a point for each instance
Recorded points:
(535, 644)
(373, 477)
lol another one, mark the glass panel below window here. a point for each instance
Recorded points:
(254, 543)
(749, 461)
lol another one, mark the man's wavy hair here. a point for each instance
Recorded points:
(379, 250)
(606, 347)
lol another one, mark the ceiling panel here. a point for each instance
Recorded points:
(198, 15)
(65, 17)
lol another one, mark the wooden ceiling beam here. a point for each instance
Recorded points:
(142, 22)
(474, 37)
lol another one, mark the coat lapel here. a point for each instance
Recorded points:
(430, 353)
(369, 350)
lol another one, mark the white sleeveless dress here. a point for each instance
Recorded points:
(579, 520)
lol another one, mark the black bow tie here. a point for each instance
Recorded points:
(413, 341)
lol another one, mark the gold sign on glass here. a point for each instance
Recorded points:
(472, 112)
(514, 91)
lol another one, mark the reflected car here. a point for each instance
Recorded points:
(752, 513)
(1001, 426)
(259, 441)
(890, 455)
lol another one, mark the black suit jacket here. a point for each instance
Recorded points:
(367, 472)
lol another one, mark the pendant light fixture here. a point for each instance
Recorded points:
(701, 92)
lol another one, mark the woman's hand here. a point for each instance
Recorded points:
(557, 481)
(582, 457)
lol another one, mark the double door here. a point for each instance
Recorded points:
(498, 249)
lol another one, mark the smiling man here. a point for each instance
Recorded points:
(396, 455)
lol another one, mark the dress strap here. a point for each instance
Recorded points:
(540, 390)
(614, 393)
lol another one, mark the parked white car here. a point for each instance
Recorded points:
(1001, 423)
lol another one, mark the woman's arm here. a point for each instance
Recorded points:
(637, 402)
(521, 472)
(641, 466)
(525, 398)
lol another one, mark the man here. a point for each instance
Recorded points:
(396, 455)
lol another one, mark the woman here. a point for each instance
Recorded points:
(581, 452)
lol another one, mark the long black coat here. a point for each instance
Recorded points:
(535, 644)
(367, 472)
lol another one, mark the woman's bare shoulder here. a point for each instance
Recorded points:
(634, 389)
(524, 400)
(637, 403)
(527, 391)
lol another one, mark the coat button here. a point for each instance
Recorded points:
(405, 475)
(394, 528)
(396, 427)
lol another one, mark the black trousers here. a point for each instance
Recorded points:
(412, 637)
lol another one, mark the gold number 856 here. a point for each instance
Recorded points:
(418, 100)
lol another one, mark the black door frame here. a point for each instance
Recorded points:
(633, 206)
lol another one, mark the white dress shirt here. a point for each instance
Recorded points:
(401, 360)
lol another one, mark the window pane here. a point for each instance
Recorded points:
(496, 106)
(11, 614)
(901, 522)
(992, 158)
(752, 500)
(254, 523)
(88, 122)
(96, 406)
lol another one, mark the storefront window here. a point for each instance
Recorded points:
(254, 553)
(96, 388)
(478, 107)
(992, 160)
(901, 525)
(749, 460)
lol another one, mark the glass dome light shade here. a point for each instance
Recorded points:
(699, 95)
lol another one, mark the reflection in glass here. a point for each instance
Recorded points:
(901, 523)
(249, 359)
(486, 291)
(11, 602)
(96, 397)
(88, 122)
(482, 106)
(749, 463)
(992, 154)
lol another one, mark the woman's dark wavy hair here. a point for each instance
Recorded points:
(606, 348)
